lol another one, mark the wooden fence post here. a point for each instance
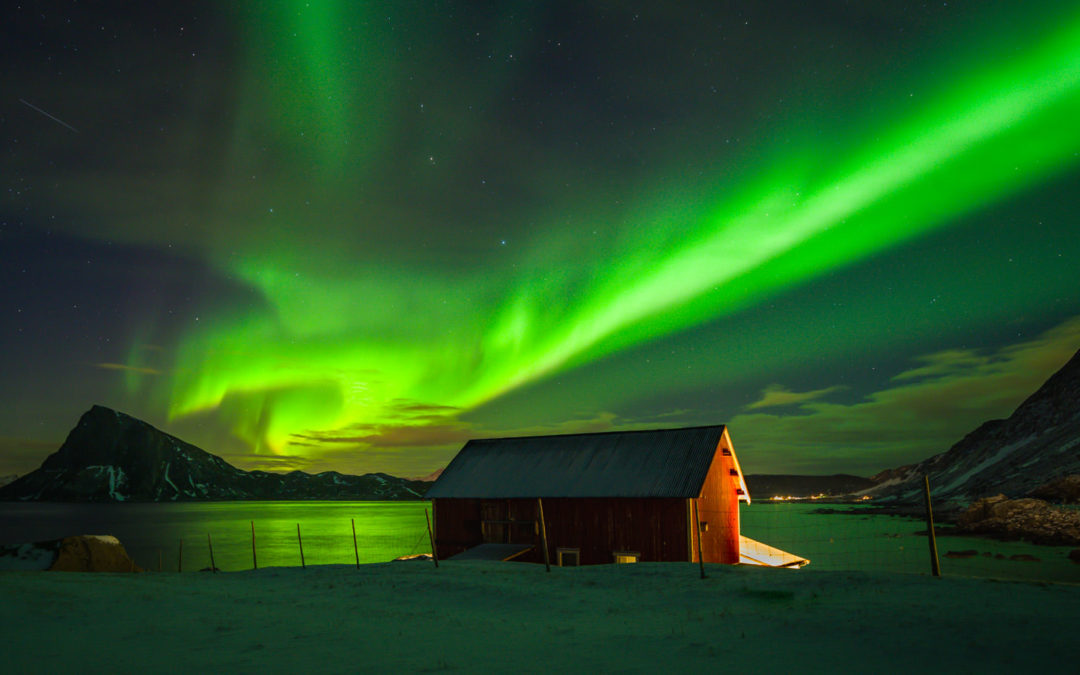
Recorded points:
(543, 534)
(931, 536)
(254, 559)
(180, 558)
(299, 539)
(355, 549)
(213, 567)
(697, 527)
(431, 538)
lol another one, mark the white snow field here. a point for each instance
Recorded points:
(515, 618)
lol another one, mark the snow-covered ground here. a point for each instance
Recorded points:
(515, 618)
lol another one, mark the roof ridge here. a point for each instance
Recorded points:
(596, 433)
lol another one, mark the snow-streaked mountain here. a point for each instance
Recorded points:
(113, 457)
(1038, 443)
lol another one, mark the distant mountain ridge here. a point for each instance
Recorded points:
(112, 457)
(767, 486)
(1038, 443)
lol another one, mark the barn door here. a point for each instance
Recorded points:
(493, 522)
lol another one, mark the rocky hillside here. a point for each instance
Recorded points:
(1030, 519)
(1037, 444)
(110, 456)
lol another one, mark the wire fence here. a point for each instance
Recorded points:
(280, 535)
(278, 544)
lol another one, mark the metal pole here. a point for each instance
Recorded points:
(355, 549)
(302, 563)
(254, 560)
(543, 534)
(431, 538)
(697, 526)
(180, 558)
(931, 537)
(213, 567)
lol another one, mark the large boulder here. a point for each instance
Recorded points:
(1061, 491)
(1030, 519)
(92, 553)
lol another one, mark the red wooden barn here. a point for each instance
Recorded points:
(607, 497)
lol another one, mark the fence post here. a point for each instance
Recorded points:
(301, 541)
(543, 534)
(159, 560)
(431, 538)
(697, 527)
(180, 558)
(355, 549)
(254, 559)
(931, 536)
(213, 567)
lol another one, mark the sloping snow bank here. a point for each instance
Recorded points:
(26, 557)
(515, 618)
(82, 553)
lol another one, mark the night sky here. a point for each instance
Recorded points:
(350, 236)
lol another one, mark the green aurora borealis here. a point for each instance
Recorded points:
(409, 228)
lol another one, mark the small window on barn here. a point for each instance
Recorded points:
(568, 557)
(626, 556)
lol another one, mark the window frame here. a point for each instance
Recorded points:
(564, 550)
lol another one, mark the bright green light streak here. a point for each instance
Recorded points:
(993, 134)
(996, 134)
(321, 80)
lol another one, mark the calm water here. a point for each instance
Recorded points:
(386, 530)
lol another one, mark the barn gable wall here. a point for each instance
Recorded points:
(718, 508)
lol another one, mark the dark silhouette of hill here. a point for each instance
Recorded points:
(113, 457)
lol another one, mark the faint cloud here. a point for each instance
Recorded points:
(127, 368)
(394, 435)
(776, 395)
(257, 462)
(949, 362)
(410, 406)
(602, 421)
(22, 455)
(421, 425)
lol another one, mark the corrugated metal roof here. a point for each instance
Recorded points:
(653, 463)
